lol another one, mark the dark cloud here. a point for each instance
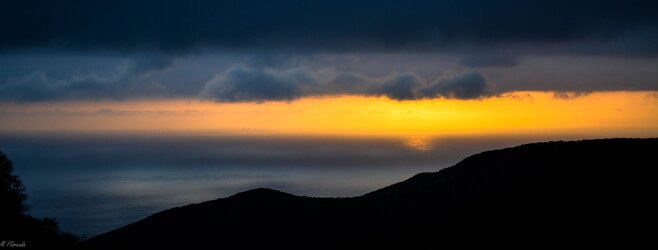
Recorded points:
(400, 87)
(470, 85)
(38, 86)
(75, 49)
(488, 60)
(612, 26)
(409, 86)
(146, 64)
(128, 80)
(244, 84)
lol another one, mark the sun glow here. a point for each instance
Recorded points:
(420, 143)
(610, 113)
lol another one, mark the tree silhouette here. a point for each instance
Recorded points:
(12, 191)
(16, 225)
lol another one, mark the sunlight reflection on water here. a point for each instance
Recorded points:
(420, 143)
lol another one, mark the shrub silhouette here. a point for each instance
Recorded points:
(17, 226)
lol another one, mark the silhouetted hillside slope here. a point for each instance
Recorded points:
(586, 190)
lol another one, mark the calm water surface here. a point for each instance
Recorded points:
(95, 182)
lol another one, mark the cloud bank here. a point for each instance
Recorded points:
(243, 83)
(259, 50)
(129, 79)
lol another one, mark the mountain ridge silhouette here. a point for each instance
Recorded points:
(541, 192)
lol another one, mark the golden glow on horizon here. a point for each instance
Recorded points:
(513, 113)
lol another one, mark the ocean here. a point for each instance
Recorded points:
(93, 182)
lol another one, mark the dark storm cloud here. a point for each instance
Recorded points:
(129, 79)
(469, 85)
(244, 84)
(488, 60)
(288, 49)
(409, 86)
(382, 25)
(400, 87)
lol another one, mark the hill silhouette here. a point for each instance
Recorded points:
(592, 190)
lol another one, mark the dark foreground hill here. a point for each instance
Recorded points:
(588, 191)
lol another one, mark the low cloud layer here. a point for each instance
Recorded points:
(129, 79)
(239, 78)
(243, 83)
(247, 84)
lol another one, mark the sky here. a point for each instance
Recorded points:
(331, 67)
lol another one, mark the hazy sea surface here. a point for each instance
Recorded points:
(95, 182)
